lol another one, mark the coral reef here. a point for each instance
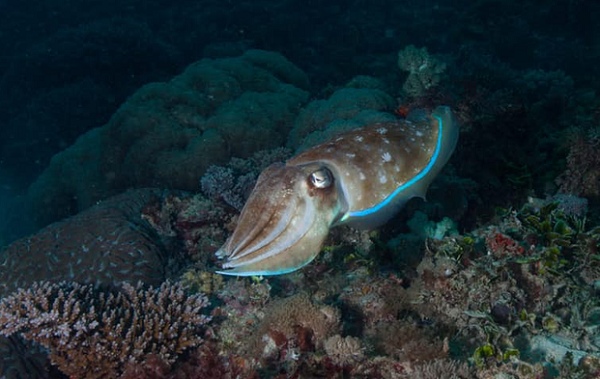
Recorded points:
(470, 277)
(233, 183)
(442, 368)
(22, 359)
(422, 227)
(203, 363)
(109, 243)
(168, 134)
(296, 324)
(194, 223)
(347, 108)
(417, 345)
(205, 282)
(92, 333)
(344, 351)
(582, 174)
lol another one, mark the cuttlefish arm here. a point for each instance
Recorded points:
(362, 178)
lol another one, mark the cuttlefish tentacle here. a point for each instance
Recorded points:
(362, 178)
(293, 235)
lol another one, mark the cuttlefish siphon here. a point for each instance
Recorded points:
(360, 178)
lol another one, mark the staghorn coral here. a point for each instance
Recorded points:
(167, 134)
(424, 71)
(93, 334)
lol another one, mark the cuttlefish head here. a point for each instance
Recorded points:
(284, 222)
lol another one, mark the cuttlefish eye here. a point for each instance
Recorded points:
(321, 178)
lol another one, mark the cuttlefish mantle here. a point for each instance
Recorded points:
(360, 178)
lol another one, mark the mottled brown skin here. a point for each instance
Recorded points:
(409, 147)
(370, 173)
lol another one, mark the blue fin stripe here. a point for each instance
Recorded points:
(406, 185)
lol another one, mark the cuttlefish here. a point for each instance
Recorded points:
(360, 178)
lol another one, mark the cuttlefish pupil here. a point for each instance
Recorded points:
(361, 178)
(321, 178)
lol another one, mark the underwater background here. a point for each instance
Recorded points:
(132, 133)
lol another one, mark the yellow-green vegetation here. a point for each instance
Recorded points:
(456, 247)
(482, 353)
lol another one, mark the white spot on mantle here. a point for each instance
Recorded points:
(386, 156)
(382, 179)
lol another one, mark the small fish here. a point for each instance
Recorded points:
(361, 178)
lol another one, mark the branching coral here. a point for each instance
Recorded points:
(93, 334)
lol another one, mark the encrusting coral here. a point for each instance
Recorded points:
(297, 321)
(442, 368)
(92, 333)
(417, 345)
(344, 351)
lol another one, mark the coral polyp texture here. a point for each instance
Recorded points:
(108, 243)
(167, 134)
(92, 333)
